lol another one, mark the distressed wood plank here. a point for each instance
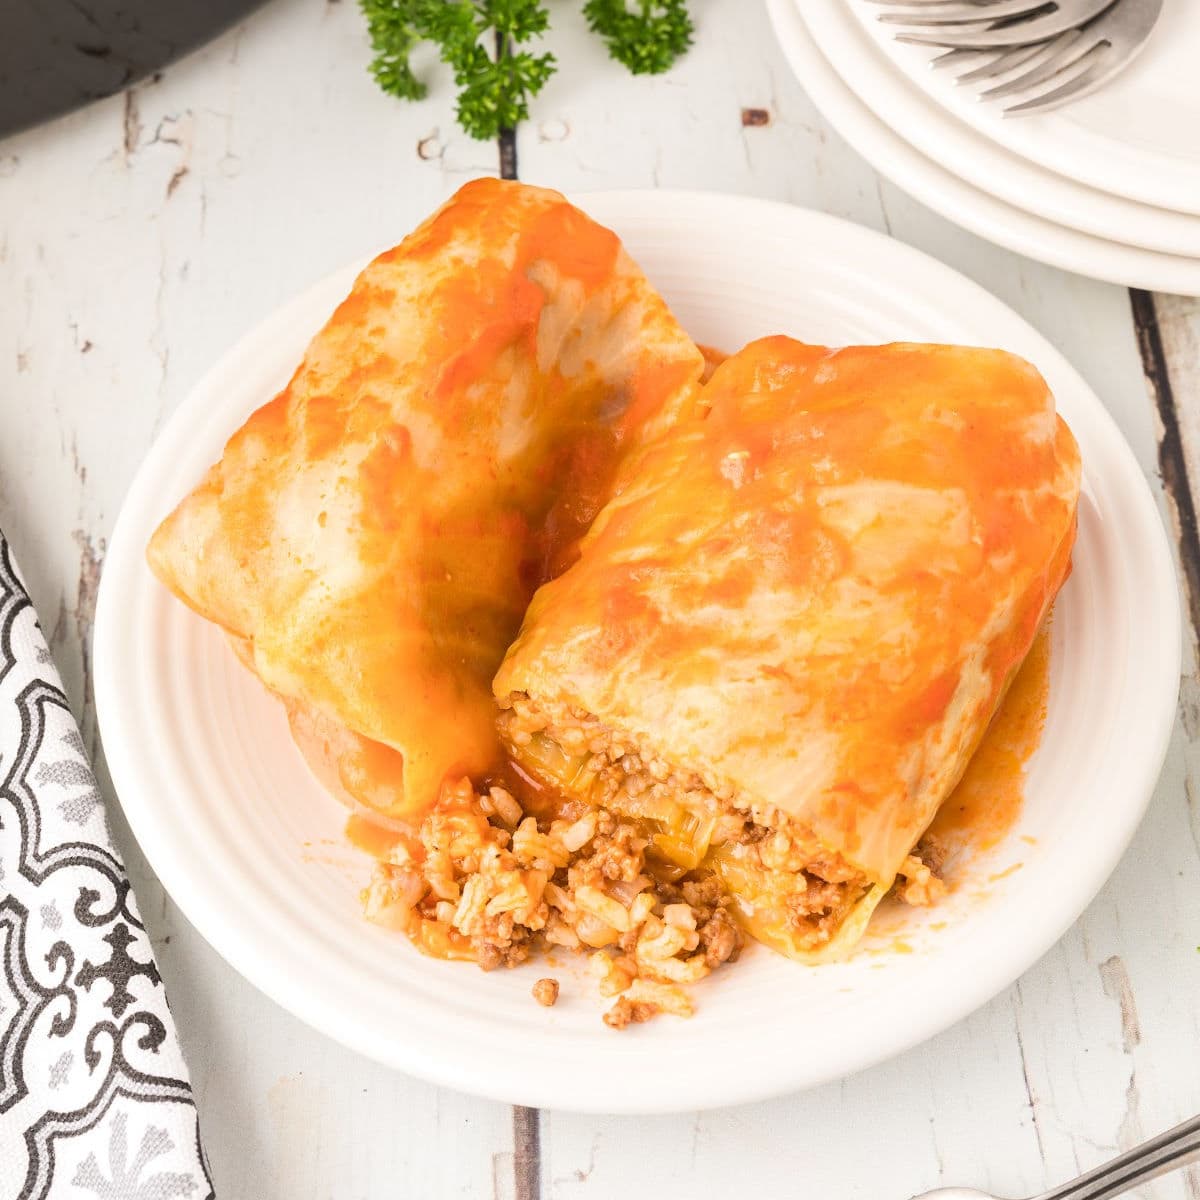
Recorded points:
(527, 1154)
(1168, 329)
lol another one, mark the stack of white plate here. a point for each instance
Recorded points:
(1108, 186)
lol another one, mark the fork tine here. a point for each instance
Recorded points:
(947, 13)
(962, 58)
(1007, 60)
(1027, 60)
(1037, 29)
(1049, 74)
(1096, 74)
(949, 57)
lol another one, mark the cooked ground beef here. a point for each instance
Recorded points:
(545, 992)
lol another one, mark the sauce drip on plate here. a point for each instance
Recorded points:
(987, 802)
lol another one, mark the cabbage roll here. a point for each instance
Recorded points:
(370, 537)
(788, 630)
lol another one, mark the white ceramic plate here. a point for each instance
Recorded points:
(1138, 136)
(947, 193)
(870, 65)
(251, 848)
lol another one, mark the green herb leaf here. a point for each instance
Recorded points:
(495, 86)
(390, 26)
(517, 19)
(495, 94)
(647, 36)
(455, 25)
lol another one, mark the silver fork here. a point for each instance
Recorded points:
(984, 26)
(1050, 73)
(1175, 1148)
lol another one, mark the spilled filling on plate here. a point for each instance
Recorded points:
(658, 893)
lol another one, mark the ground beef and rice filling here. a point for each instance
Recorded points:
(639, 867)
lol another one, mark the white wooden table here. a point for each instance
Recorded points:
(141, 237)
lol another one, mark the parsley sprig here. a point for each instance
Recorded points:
(494, 88)
(484, 43)
(648, 37)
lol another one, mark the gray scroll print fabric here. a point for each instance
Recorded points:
(94, 1095)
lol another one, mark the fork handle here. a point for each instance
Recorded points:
(1175, 1148)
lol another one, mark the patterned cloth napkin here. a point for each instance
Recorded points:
(94, 1094)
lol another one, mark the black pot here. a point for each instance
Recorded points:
(56, 55)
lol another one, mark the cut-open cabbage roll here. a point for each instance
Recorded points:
(789, 629)
(371, 537)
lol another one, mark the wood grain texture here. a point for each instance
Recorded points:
(1168, 348)
(527, 1154)
(140, 238)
